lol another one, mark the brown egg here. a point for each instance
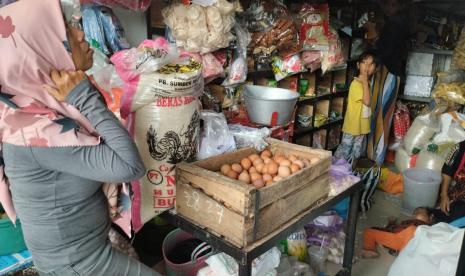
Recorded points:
(285, 162)
(259, 167)
(269, 182)
(225, 169)
(299, 163)
(252, 170)
(265, 169)
(266, 153)
(292, 158)
(236, 167)
(252, 157)
(272, 168)
(267, 160)
(306, 163)
(255, 176)
(267, 177)
(295, 168)
(232, 174)
(244, 177)
(284, 171)
(246, 163)
(258, 183)
(257, 161)
(279, 158)
(277, 178)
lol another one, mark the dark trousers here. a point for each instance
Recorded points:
(457, 210)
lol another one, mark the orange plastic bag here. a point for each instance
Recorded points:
(394, 184)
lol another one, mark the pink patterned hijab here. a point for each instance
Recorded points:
(33, 42)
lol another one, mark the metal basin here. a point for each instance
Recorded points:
(269, 106)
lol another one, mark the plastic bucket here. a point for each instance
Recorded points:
(421, 187)
(171, 241)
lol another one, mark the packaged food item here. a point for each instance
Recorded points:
(314, 30)
(297, 245)
(459, 52)
(93, 28)
(303, 86)
(333, 57)
(283, 68)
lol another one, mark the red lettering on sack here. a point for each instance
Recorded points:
(170, 192)
(171, 180)
(164, 168)
(157, 193)
(155, 177)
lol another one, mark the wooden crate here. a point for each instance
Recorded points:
(239, 212)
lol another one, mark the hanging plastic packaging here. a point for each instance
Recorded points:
(238, 69)
(333, 57)
(114, 32)
(286, 67)
(216, 138)
(429, 160)
(135, 5)
(403, 161)
(314, 30)
(420, 133)
(93, 28)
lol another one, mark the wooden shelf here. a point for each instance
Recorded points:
(327, 96)
(415, 99)
(306, 130)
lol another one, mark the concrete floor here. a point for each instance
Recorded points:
(385, 206)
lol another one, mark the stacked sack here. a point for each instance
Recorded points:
(161, 106)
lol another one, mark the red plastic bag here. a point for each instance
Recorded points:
(401, 121)
(314, 30)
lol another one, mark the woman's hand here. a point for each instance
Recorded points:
(65, 82)
(445, 204)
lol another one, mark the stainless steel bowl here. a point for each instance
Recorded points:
(268, 105)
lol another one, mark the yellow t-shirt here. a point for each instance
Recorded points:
(354, 124)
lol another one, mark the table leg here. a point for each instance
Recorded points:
(351, 232)
(245, 267)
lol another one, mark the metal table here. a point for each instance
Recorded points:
(245, 256)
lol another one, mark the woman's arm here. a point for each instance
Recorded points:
(444, 197)
(116, 159)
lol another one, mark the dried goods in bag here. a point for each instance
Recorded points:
(314, 30)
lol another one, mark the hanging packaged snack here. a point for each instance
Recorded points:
(450, 88)
(333, 57)
(314, 30)
(459, 52)
(202, 29)
(283, 68)
(238, 69)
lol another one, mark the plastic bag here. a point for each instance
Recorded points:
(93, 28)
(114, 32)
(250, 137)
(224, 265)
(148, 57)
(216, 138)
(237, 72)
(314, 30)
(458, 58)
(420, 133)
(211, 67)
(135, 5)
(297, 245)
(290, 266)
(333, 57)
(100, 60)
(403, 161)
(289, 66)
(401, 121)
(429, 160)
(433, 251)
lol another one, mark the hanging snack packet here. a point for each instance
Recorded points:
(333, 57)
(314, 30)
(289, 66)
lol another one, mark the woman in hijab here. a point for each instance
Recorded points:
(59, 143)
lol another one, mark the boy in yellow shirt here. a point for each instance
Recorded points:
(358, 114)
